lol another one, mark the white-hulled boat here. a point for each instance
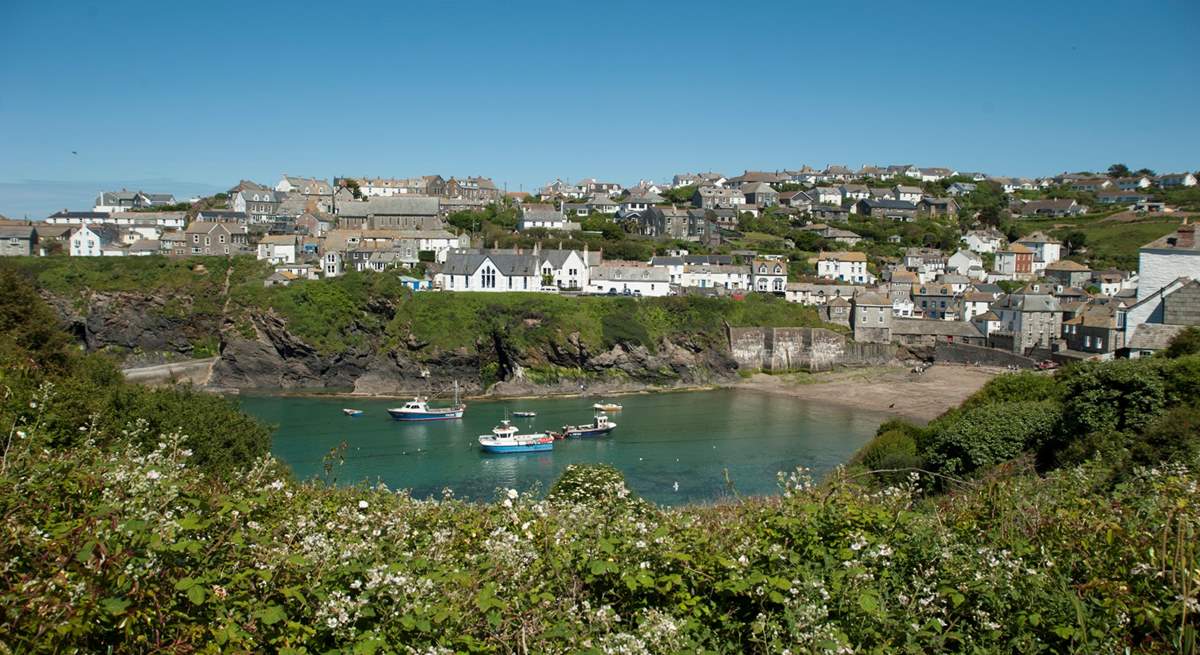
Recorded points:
(505, 439)
(418, 409)
(599, 427)
(607, 407)
(352, 412)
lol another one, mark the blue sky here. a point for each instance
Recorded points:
(191, 97)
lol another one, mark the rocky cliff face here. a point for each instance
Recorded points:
(266, 355)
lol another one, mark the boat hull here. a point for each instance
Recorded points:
(427, 415)
(523, 448)
(584, 433)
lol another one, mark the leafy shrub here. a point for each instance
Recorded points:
(1016, 387)
(1122, 395)
(986, 435)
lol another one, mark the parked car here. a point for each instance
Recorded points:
(1046, 365)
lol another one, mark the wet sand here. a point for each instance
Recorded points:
(892, 390)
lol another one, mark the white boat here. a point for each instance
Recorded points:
(505, 439)
(525, 414)
(607, 407)
(352, 412)
(418, 409)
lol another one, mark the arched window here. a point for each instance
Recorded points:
(778, 284)
(762, 268)
(489, 278)
(778, 269)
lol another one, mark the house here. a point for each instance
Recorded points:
(937, 301)
(1015, 262)
(760, 193)
(636, 204)
(904, 170)
(1164, 260)
(18, 240)
(984, 241)
(1091, 184)
(711, 197)
(1114, 281)
(723, 217)
(769, 275)
(826, 195)
(109, 202)
(305, 186)
(415, 284)
(837, 310)
(66, 217)
(1169, 180)
(852, 193)
(1119, 197)
(489, 271)
(1133, 183)
(974, 304)
(629, 278)
(277, 248)
(833, 234)
(212, 239)
(1057, 207)
(222, 216)
(403, 212)
(934, 174)
(91, 240)
(259, 204)
(963, 261)
(279, 279)
(471, 188)
(957, 189)
(544, 216)
(815, 293)
(920, 332)
(714, 276)
(896, 210)
(1095, 329)
(928, 263)
(566, 269)
(829, 212)
(849, 266)
(602, 204)
(871, 317)
(1155, 318)
(938, 206)
(909, 194)
(798, 199)
(1069, 273)
(1046, 250)
(664, 222)
(1030, 318)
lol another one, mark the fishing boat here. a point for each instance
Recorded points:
(525, 414)
(352, 412)
(599, 427)
(607, 407)
(505, 439)
(418, 409)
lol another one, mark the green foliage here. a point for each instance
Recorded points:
(980, 437)
(1016, 387)
(1111, 396)
(680, 195)
(1186, 342)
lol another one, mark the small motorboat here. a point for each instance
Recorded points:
(505, 439)
(418, 409)
(352, 412)
(525, 414)
(607, 407)
(599, 427)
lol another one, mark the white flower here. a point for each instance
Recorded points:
(32, 405)
(21, 434)
(276, 485)
(512, 494)
(362, 504)
(153, 475)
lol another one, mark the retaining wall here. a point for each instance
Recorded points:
(807, 349)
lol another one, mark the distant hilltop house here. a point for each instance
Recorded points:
(544, 216)
(1055, 208)
(848, 266)
(306, 186)
(109, 202)
(406, 212)
(1169, 180)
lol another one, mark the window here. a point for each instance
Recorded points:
(489, 278)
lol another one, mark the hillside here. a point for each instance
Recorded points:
(365, 331)
(122, 533)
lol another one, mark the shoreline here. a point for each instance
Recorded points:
(888, 390)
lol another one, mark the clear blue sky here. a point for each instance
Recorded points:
(191, 97)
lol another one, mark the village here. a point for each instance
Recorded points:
(1028, 294)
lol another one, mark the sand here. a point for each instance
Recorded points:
(896, 391)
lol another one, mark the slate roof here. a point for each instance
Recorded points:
(888, 203)
(917, 326)
(629, 273)
(1154, 336)
(508, 264)
(1028, 302)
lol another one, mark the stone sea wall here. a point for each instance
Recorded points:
(803, 349)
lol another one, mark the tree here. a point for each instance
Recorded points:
(1074, 240)
(1144, 171)
(1118, 170)
(1186, 342)
(352, 184)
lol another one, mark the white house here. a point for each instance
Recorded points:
(94, 241)
(907, 193)
(1046, 250)
(854, 192)
(826, 195)
(629, 278)
(1164, 260)
(566, 269)
(490, 271)
(1176, 179)
(769, 275)
(705, 276)
(848, 266)
(984, 241)
(544, 216)
(963, 261)
(277, 248)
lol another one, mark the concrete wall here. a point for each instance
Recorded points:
(961, 353)
(808, 349)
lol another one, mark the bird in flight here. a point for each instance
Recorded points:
(74, 153)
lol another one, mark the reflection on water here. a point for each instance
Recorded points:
(689, 439)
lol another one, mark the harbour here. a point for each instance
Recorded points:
(673, 448)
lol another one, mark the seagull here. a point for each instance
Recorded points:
(676, 485)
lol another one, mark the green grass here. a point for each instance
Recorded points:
(1116, 244)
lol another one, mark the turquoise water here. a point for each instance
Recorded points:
(661, 440)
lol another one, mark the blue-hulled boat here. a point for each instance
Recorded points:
(599, 427)
(418, 409)
(352, 412)
(504, 439)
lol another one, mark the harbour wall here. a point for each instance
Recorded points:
(803, 349)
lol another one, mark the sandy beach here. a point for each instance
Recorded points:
(890, 390)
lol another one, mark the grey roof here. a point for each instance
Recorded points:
(660, 260)
(871, 298)
(1028, 302)
(908, 189)
(404, 204)
(16, 231)
(145, 245)
(888, 203)
(507, 263)
(708, 259)
(629, 273)
(918, 326)
(757, 187)
(1154, 336)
